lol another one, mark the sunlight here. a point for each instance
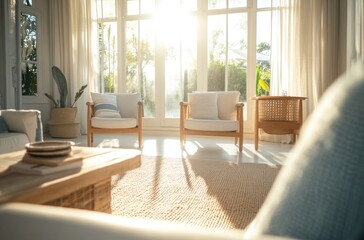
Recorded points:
(172, 23)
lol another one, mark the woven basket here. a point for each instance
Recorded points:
(95, 197)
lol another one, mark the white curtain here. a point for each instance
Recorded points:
(73, 48)
(305, 43)
(356, 38)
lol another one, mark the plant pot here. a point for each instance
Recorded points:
(63, 115)
(63, 123)
(66, 130)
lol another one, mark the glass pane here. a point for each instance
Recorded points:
(28, 44)
(132, 39)
(216, 52)
(106, 9)
(28, 3)
(132, 7)
(237, 3)
(29, 79)
(180, 63)
(216, 4)
(190, 5)
(28, 34)
(264, 3)
(108, 56)
(140, 63)
(147, 6)
(263, 53)
(237, 53)
(147, 67)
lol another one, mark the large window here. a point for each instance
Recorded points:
(29, 70)
(167, 48)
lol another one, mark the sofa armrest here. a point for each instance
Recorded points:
(29, 221)
(24, 121)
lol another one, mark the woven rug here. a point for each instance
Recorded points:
(209, 194)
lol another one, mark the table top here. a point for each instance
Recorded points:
(97, 164)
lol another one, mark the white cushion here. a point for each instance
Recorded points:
(128, 104)
(119, 123)
(226, 104)
(12, 141)
(23, 121)
(105, 105)
(203, 105)
(211, 125)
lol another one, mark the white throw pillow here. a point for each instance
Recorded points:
(105, 105)
(128, 104)
(203, 105)
(226, 103)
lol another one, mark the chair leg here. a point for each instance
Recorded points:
(140, 139)
(89, 139)
(256, 138)
(240, 144)
(294, 138)
(181, 139)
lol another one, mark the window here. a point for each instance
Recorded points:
(28, 3)
(263, 47)
(167, 48)
(29, 66)
(227, 52)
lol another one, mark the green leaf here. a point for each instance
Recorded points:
(79, 94)
(52, 99)
(263, 85)
(61, 82)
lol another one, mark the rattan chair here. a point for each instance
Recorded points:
(277, 115)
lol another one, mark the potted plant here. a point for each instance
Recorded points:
(63, 122)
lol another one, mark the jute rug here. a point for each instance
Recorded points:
(207, 194)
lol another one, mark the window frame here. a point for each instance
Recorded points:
(202, 13)
(40, 62)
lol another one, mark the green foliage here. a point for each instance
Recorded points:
(262, 81)
(61, 82)
(216, 76)
(236, 77)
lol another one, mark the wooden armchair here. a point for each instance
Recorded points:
(212, 114)
(122, 115)
(277, 115)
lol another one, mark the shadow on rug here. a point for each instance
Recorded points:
(202, 193)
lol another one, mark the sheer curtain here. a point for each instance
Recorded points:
(304, 53)
(305, 43)
(73, 48)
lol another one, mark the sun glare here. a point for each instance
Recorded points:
(171, 23)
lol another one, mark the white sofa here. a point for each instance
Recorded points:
(18, 127)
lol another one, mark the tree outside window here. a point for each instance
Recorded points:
(28, 34)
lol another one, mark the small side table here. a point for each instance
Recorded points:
(277, 115)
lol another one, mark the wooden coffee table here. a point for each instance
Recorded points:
(88, 187)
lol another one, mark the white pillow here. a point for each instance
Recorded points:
(226, 102)
(105, 105)
(24, 121)
(203, 105)
(128, 104)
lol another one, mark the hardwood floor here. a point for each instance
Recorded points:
(204, 148)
